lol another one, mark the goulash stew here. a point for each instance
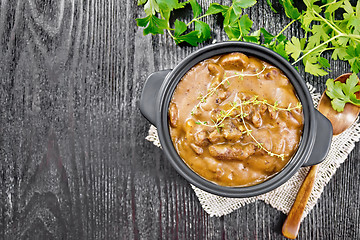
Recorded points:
(235, 120)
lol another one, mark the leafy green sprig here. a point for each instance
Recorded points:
(157, 20)
(325, 31)
(342, 93)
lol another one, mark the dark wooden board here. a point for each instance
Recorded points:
(74, 163)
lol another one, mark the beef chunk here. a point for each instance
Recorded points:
(231, 152)
(198, 150)
(234, 61)
(262, 108)
(215, 137)
(256, 119)
(201, 138)
(273, 113)
(231, 131)
(217, 71)
(173, 115)
(272, 74)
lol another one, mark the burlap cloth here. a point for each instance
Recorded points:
(283, 197)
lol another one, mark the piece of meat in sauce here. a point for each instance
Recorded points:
(256, 119)
(198, 150)
(217, 71)
(230, 130)
(231, 151)
(273, 113)
(234, 61)
(201, 137)
(196, 135)
(276, 75)
(216, 137)
(255, 66)
(173, 115)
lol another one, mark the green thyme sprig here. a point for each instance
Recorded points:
(218, 124)
(212, 90)
(276, 105)
(259, 145)
(235, 106)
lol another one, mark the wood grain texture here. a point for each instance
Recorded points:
(74, 163)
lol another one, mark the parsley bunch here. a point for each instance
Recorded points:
(236, 25)
(332, 26)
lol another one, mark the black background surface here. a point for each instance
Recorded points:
(74, 162)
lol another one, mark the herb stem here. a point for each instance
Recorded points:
(226, 115)
(325, 5)
(289, 24)
(170, 33)
(196, 19)
(260, 145)
(213, 90)
(334, 27)
(315, 48)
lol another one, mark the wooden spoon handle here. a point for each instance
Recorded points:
(292, 223)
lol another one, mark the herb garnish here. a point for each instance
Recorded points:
(342, 93)
(238, 105)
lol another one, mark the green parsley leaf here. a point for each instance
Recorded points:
(232, 31)
(290, 10)
(280, 49)
(204, 30)
(196, 8)
(353, 56)
(334, 6)
(244, 3)
(347, 7)
(151, 7)
(268, 37)
(319, 34)
(153, 24)
(215, 8)
(230, 17)
(306, 20)
(180, 27)
(170, 5)
(323, 62)
(339, 53)
(254, 37)
(293, 48)
(191, 38)
(141, 2)
(237, 9)
(312, 67)
(281, 38)
(245, 24)
(309, 3)
(342, 93)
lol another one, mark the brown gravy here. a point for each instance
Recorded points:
(235, 120)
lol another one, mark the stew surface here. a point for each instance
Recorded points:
(235, 120)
